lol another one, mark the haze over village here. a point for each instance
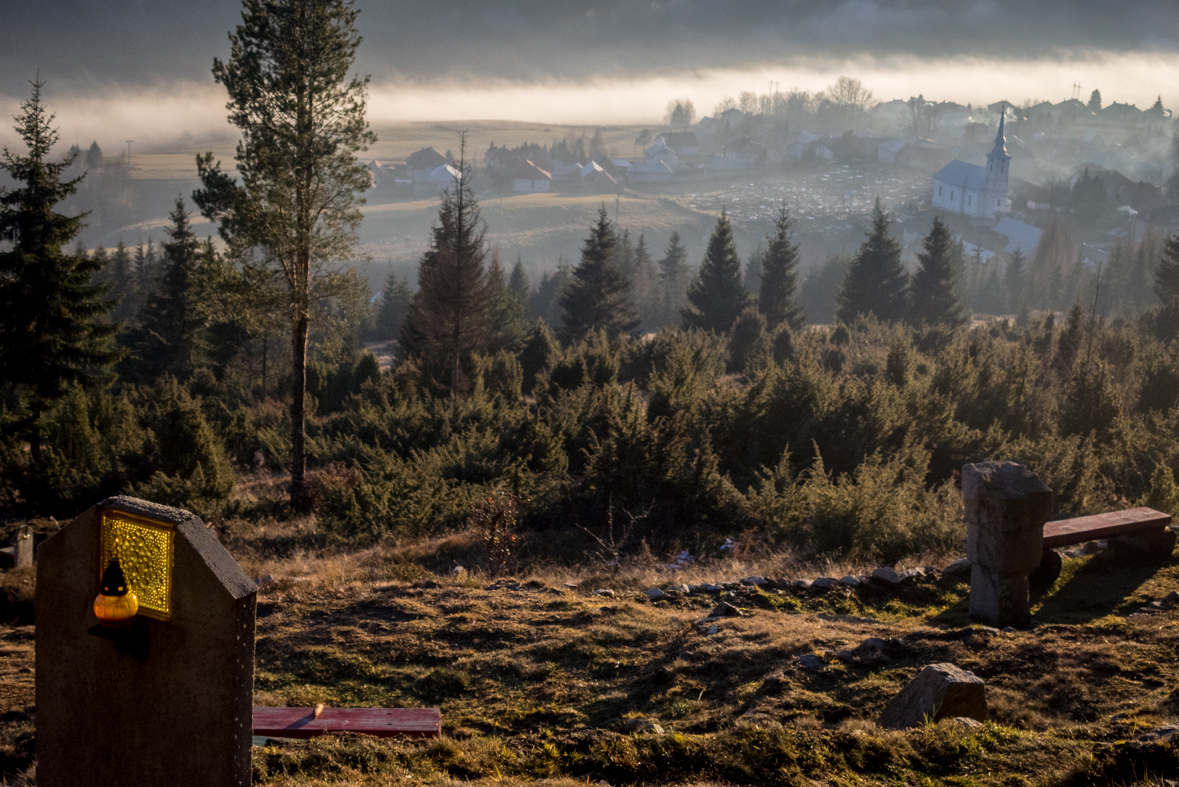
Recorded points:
(669, 393)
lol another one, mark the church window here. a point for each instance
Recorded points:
(970, 200)
(951, 195)
(939, 191)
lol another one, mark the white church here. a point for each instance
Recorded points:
(965, 188)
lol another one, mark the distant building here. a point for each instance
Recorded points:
(440, 179)
(972, 190)
(1020, 235)
(660, 152)
(527, 178)
(684, 143)
(424, 162)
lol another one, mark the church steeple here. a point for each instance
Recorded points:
(995, 199)
(1000, 149)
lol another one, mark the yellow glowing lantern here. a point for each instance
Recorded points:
(116, 604)
(142, 549)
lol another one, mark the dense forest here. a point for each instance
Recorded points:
(633, 398)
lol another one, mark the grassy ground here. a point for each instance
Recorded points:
(538, 677)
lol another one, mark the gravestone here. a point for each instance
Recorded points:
(20, 554)
(1006, 508)
(167, 701)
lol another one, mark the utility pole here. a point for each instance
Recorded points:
(129, 158)
(1077, 90)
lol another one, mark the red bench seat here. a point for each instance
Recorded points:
(381, 722)
(1115, 523)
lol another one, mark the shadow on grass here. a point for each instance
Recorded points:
(1099, 586)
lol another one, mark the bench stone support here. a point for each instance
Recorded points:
(1006, 508)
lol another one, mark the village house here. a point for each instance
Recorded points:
(973, 190)
(424, 162)
(438, 180)
(527, 178)
(660, 152)
(684, 143)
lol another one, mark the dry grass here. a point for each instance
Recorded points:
(536, 680)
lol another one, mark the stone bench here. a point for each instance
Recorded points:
(1010, 542)
(380, 722)
(1141, 529)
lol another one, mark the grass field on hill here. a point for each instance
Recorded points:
(540, 679)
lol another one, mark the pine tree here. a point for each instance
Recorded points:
(754, 270)
(124, 284)
(644, 284)
(598, 296)
(394, 308)
(876, 282)
(779, 279)
(716, 296)
(673, 282)
(1166, 275)
(94, 157)
(545, 303)
(508, 328)
(933, 300)
(170, 339)
(54, 330)
(518, 283)
(302, 122)
(147, 267)
(1013, 281)
(624, 255)
(451, 314)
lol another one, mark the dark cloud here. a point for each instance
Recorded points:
(79, 44)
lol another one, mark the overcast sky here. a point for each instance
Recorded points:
(86, 49)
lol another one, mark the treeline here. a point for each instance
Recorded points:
(733, 417)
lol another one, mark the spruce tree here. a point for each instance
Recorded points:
(518, 283)
(451, 314)
(147, 267)
(932, 297)
(508, 314)
(673, 282)
(716, 296)
(1166, 275)
(124, 284)
(876, 282)
(545, 303)
(779, 277)
(54, 329)
(644, 284)
(170, 338)
(598, 295)
(394, 307)
(1013, 281)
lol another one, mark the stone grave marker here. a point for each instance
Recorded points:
(165, 699)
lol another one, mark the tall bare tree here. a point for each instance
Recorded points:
(302, 121)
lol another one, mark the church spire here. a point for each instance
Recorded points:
(1000, 149)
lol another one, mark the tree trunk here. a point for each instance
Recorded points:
(300, 499)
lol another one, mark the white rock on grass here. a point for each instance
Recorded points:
(886, 574)
(604, 592)
(655, 594)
